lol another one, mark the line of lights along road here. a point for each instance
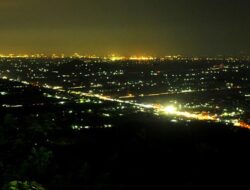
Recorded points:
(169, 110)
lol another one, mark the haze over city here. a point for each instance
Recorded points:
(158, 28)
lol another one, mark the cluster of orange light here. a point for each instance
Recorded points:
(242, 124)
(141, 58)
(206, 116)
(114, 57)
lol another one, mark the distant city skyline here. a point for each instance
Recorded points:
(125, 27)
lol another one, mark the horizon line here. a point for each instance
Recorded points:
(114, 57)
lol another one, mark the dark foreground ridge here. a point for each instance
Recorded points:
(50, 145)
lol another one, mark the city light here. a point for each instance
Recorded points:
(170, 109)
(114, 57)
(141, 58)
(107, 84)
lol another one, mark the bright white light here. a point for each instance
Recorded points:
(170, 109)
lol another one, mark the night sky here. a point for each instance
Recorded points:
(126, 27)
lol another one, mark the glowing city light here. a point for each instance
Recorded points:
(170, 109)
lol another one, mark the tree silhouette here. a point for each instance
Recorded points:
(23, 185)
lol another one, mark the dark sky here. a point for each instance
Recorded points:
(127, 27)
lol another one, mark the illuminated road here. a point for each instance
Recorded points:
(169, 110)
